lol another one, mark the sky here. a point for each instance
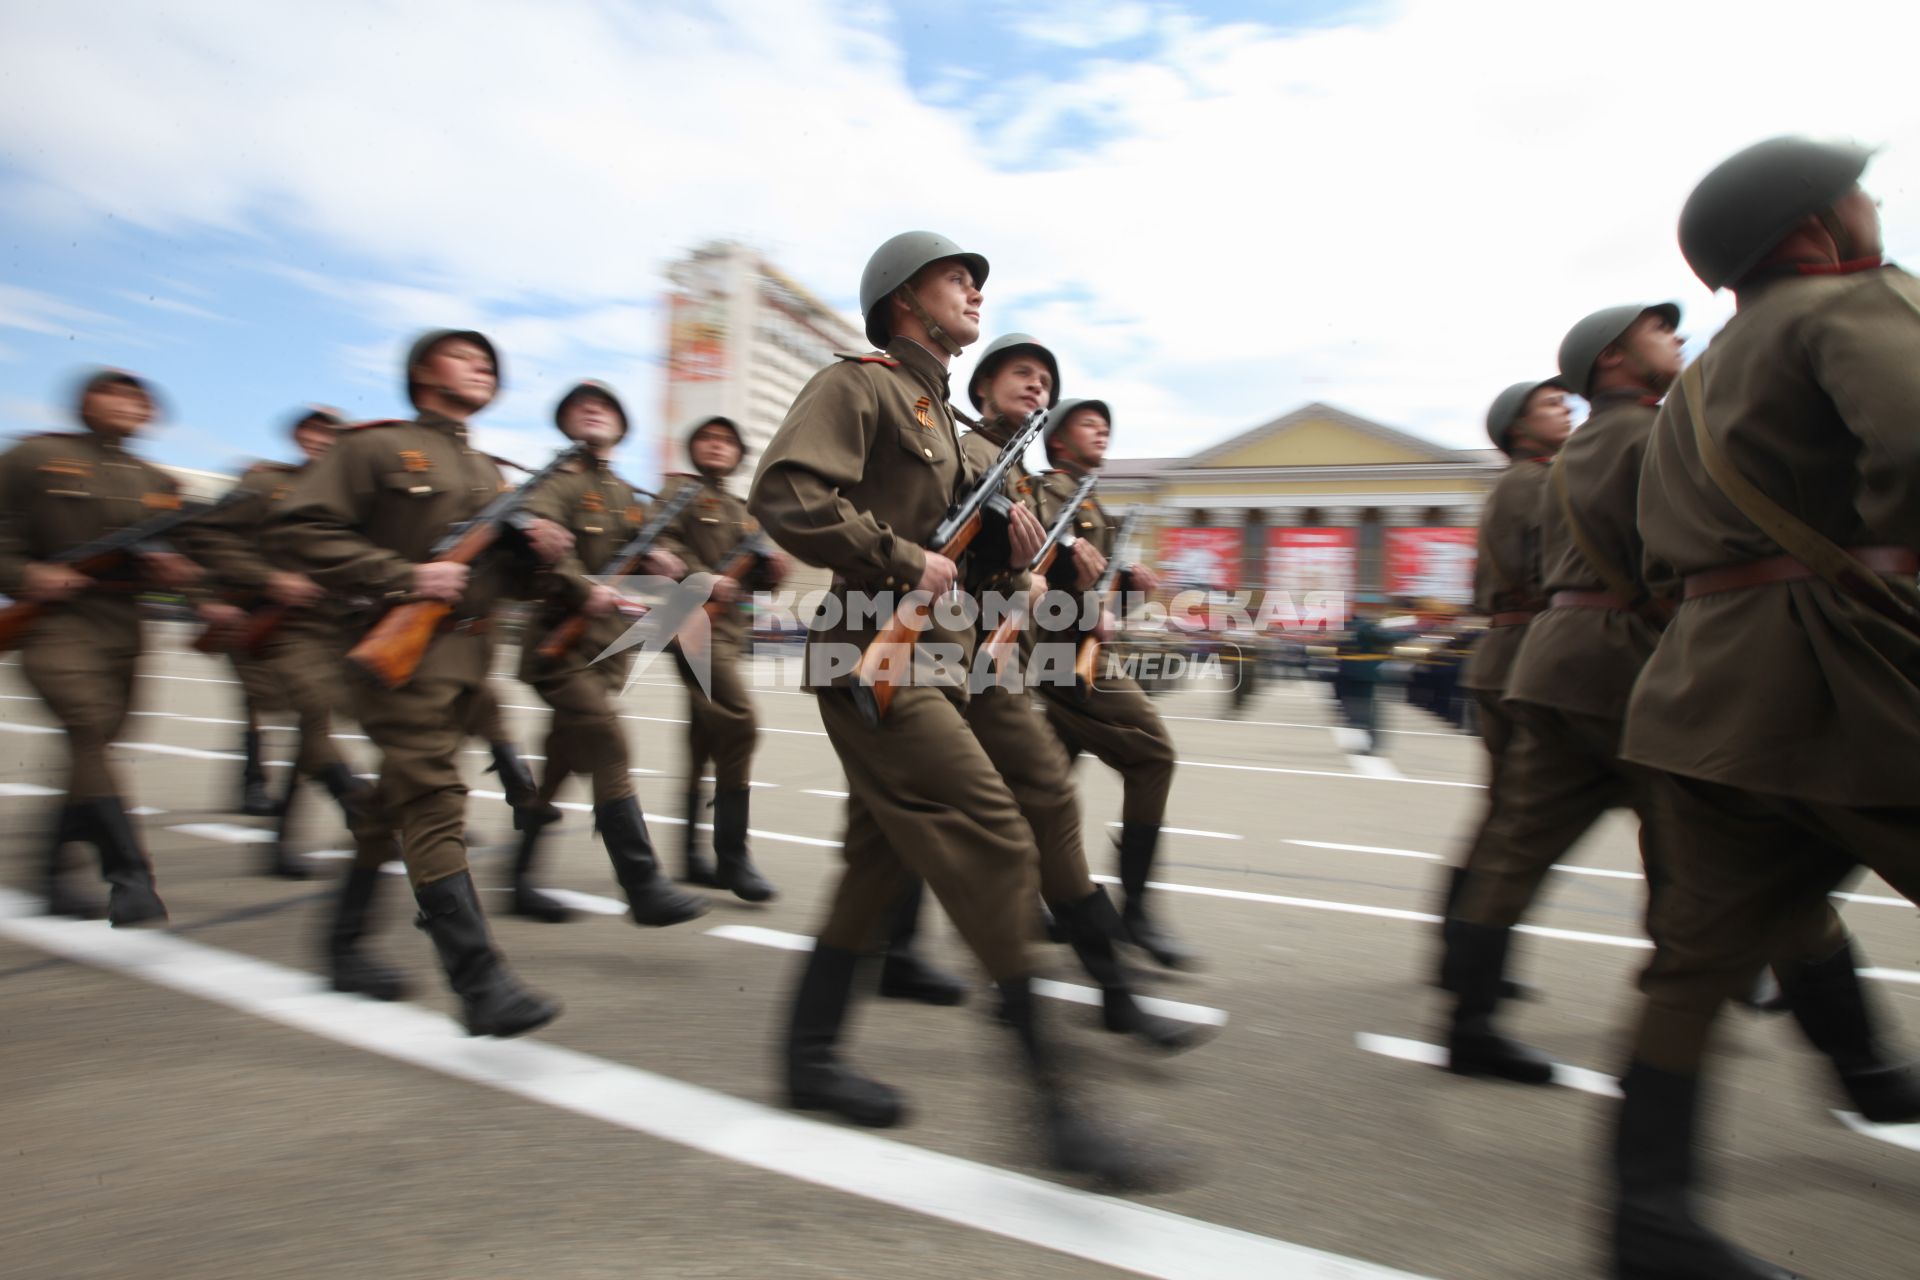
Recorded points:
(1213, 212)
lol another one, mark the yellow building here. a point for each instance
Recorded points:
(1318, 499)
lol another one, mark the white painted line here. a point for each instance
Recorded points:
(1365, 848)
(1279, 900)
(1297, 724)
(225, 832)
(1433, 1055)
(28, 789)
(830, 795)
(1327, 773)
(796, 733)
(777, 837)
(1191, 831)
(1900, 1135)
(10, 727)
(1377, 767)
(1069, 991)
(192, 753)
(1907, 976)
(145, 811)
(591, 903)
(146, 675)
(711, 778)
(341, 855)
(1101, 1229)
(169, 715)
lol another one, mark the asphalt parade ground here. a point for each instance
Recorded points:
(195, 1103)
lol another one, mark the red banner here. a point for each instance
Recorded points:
(1431, 564)
(1201, 559)
(1304, 560)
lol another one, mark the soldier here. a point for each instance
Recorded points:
(709, 533)
(362, 521)
(867, 461)
(1115, 721)
(60, 491)
(602, 512)
(1528, 422)
(1367, 645)
(1013, 378)
(299, 657)
(1780, 497)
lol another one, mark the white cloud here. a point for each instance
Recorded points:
(1399, 217)
(1082, 24)
(37, 312)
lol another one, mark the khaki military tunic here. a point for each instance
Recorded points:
(602, 512)
(1116, 721)
(1506, 581)
(59, 492)
(720, 720)
(865, 464)
(1787, 715)
(358, 521)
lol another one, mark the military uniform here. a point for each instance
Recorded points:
(1116, 722)
(57, 492)
(721, 729)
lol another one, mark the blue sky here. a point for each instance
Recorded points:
(1216, 212)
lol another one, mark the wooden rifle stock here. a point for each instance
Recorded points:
(1086, 663)
(390, 652)
(561, 640)
(889, 655)
(1004, 636)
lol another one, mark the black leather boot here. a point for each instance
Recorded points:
(698, 867)
(64, 898)
(735, 870)
(651, 897)
(1831, 1007)
(1093, 927)
(353, 795)
(492, 999)
(1475, 960)
(529, 901)
(1076, 1143)
(817, 1080)
(349, 968)
(255, 802)
(1139, 841)
(904, 975)
(131, 898)
(516, 780)
(281, 860)
(1456, 884)
(1655, 1233)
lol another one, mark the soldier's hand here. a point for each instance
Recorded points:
(1145, 580)
(1025, 534)
(665, 564)
(937, 578)
(295, 589)
(1090, 563)
(169, 569)
(442, 580)
(49, 582)
(549, 541)
(224, 619)
(725, 590)
(601, 601)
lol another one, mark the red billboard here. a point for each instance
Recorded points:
(1201, 559)
(1431, 564)
(1304, 560)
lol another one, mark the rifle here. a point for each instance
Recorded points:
(104, 554)
(1088, 660)
(746, 553)
(392, 649)
(879, 672)
(1061, 535)
(623, 562)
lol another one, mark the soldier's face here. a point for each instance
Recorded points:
(1651, 349)
(591, 421)
(946, 289)
(1019, 387)
(116, 409)
(460, 370)
(314, 440)
(1859, 214)
(714, 449)
(1085, 435)
(1546, 419)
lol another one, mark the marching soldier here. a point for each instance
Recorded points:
(602, 512)
(362, 521)
(1780, 499)
(1116, 720)
(298, 658)
(58, 492)
(1013, 378)
(1528, 422)
(709, 534)
(867, 461)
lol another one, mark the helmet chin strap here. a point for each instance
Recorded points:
(1842, 240)
(933, 329)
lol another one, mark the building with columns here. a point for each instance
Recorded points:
(1317, 499)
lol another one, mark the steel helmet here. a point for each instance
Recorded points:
(1751, 200)
(894, 263)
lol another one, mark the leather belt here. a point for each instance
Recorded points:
(1588, 600)
(1893, 562)
(1513, 618)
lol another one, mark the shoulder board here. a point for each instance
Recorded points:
(58, 435)
(871, 357)
(381, 422)
(269, 465)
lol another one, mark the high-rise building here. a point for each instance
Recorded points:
(742, 339)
